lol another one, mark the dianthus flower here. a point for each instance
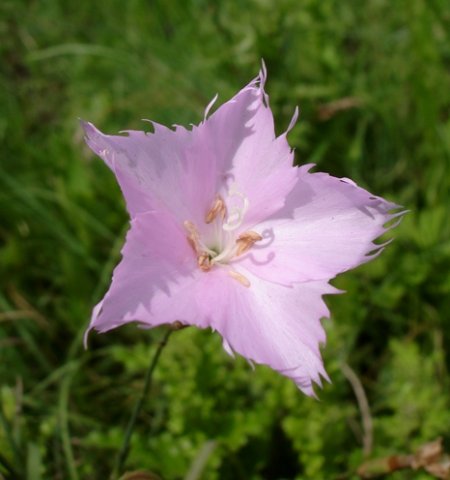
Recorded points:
(226, 233)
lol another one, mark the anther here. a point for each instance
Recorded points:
(246, 240)
(240, 278)
(204, 262)
(218, 209)
(193, 237)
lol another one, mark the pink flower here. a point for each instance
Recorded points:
(226, 233)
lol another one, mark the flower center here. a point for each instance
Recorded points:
(227, 244)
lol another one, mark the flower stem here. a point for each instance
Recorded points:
(125, 448)
(10, 437)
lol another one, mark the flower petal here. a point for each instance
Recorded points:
(266, 323)
(272, 324)
(241, 140)
(160, 170)
(156, 256)
(326, 227)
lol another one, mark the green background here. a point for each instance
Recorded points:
(373, 84)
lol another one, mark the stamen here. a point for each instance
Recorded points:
(203, 253)
(218, 208)
(227, 243)
(204, 262)
(194, 237)
(240, 278)
(246, 240)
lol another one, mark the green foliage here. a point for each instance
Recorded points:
(405, 415)
(63, 409)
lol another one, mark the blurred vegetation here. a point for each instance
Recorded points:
(373, 83)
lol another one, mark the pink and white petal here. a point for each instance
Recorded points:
(266, 323)
(156, 256)
(136, 198)
(274, 325)
(164, 170)
(327, 226)
(242, 142)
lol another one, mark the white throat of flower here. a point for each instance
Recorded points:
(228, 243)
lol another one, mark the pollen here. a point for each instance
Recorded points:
(193, 237)
(204, 262)
(246, 240)
(218, 209)
(240, 278)
(204, 255)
